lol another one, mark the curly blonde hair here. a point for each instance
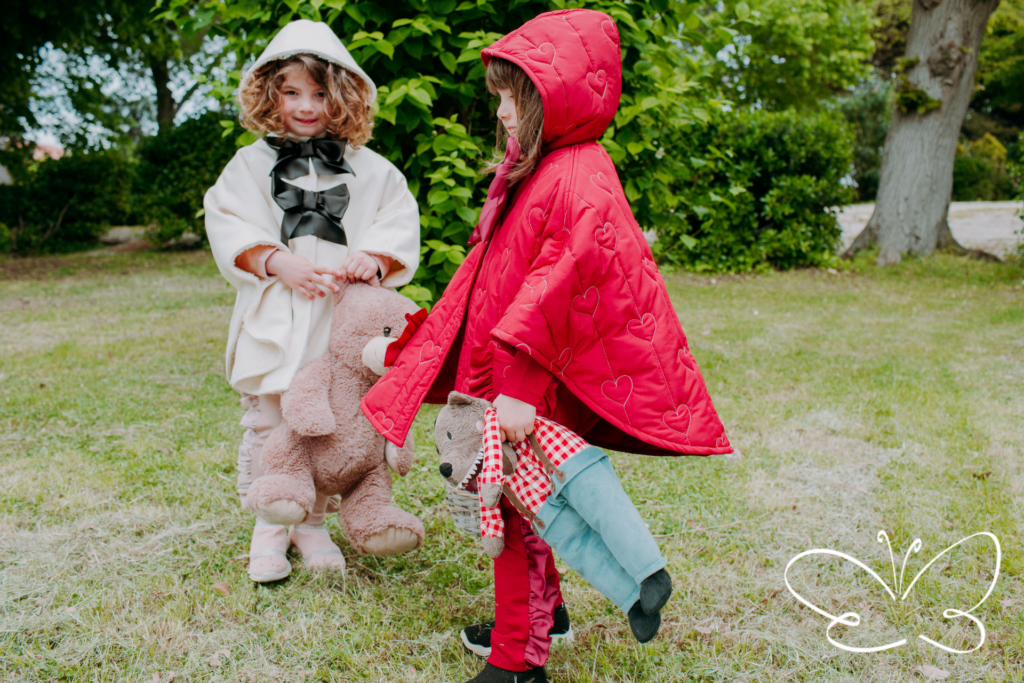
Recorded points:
(347, 111)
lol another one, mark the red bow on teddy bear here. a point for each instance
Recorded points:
(395, 348)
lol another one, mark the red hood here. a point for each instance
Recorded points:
(580, 80)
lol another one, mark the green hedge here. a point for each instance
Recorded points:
(763, 196)
(175, 169)
(65, 204)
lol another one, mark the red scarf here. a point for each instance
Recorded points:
(496, 194)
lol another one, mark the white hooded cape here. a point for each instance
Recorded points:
(275, 331)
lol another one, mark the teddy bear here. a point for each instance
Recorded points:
(326, 444)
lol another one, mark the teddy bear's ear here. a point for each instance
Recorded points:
(457, 399)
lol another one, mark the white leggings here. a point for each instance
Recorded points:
(263, 415)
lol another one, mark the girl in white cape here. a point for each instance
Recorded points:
(302, 207)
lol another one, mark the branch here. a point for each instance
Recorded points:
(184, 98)
(195, 86)
(55, 226)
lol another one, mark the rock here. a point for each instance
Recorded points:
(186, 241)
(123, 234)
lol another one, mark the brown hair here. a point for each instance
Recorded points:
(347, 110)
(504, 75)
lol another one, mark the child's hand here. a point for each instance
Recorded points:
(358, 265)
(301, 275)
(515, 418)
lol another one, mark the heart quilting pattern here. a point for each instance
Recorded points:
(545, 54)
(563, 361)
(537, 219)
(586, 303)
(678, 420)
(598, 82)
(386, 423)
(606, 237)
(620, 390)
(643, 328)
(611, 32)
(601, 180)
(429, 351)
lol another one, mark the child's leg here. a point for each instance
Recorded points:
(525, 597)
(263, 416)
(583, 549)
(314, 541)
(596, 495)
(268, 548)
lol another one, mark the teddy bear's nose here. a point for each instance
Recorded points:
(445, 469)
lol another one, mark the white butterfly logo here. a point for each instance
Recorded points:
(852, 619)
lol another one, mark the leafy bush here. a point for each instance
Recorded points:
(435, 121)
(980, 173)
(65, 204)
(175, 169)
(763, 195)
(868, 111)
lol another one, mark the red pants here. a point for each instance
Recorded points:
(526, 594)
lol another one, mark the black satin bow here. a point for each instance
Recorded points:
(328, 157)
(311, 213)
(305, 212)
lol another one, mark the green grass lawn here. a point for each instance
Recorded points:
(859, 401)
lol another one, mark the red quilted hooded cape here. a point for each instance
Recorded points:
(567, 277)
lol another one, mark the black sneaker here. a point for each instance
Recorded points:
(492, 674)
(477, 638)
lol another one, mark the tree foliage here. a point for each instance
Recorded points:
(795, 53)
(1001, 72)
(435, 119)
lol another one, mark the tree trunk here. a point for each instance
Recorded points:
(166, 107)
(916, 181)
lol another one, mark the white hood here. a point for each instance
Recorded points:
(311, 38)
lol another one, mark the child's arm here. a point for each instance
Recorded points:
(524, 386)
(392, 242)
(295, 271)
(515, 418)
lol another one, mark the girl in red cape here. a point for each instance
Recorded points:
(558, 311)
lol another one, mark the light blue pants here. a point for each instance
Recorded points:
(595, 528)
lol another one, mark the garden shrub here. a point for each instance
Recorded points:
(980, 171)
(762, 193)
(65, 204)
(175, 169)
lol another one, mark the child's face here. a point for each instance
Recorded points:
(302, 104)
(507, 112)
